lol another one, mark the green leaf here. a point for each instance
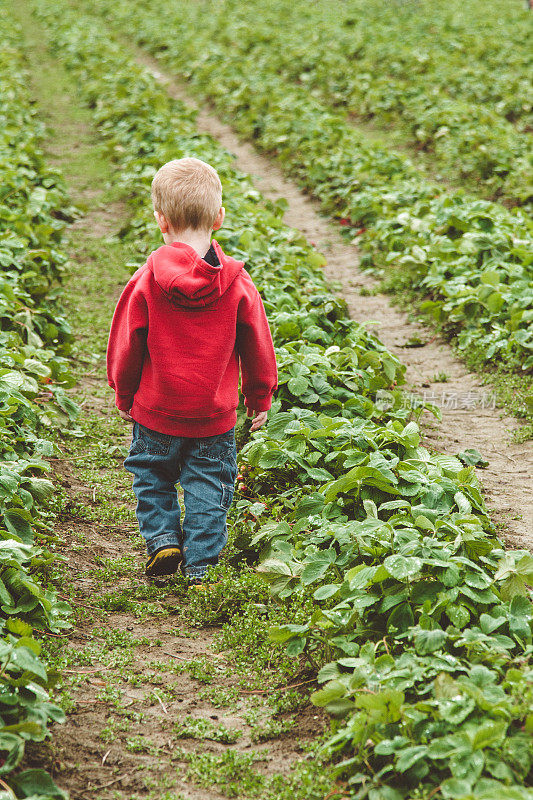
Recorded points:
(369, 476)
(456, 789)
(457, 708)
(24, 658)
(510, 566)
(490, 624)
(389, 746)
(384, 793)
(334, 690)
(512, 586)
(296, 646)
(429, 641)
(68, 406)
(41, 488)
(13, 747)
(282, 634)
(319, 474)
(446, 746)
(383, 706)
(34, 729)
(9, 482)
(5, 597)
(520, 617)
(318, 567)
(370, 508)
(468, 766)
(403, 568)
(19, 627)
(448, 463)
(410, 756)
(490, 734)
(326, 591)
(273, 459)
(38, 782)
(458, 615)
(275, 566)
(328, 672)
(316, 259)
(298, 386)
(463, 504)
(411, 435)
(310, 504)
(18, 522)
(472, 457)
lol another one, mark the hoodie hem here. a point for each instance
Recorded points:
(191, 428)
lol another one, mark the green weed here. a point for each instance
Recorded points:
(191, 728)
(222, 696)
(141, 744)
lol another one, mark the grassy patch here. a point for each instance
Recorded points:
(190, 728)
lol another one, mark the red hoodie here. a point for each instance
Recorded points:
(179, 331)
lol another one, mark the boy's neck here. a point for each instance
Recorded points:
(198, 240)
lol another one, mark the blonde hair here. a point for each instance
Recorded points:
(188, 193)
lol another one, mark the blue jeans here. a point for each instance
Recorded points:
(206, 469)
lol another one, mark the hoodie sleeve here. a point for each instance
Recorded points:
(127, 346)
(256, 351)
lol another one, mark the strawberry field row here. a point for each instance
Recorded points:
(33, 369)
(469, 258)
(421, 623)
(453, 85)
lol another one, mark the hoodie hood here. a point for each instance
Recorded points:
(189, 281)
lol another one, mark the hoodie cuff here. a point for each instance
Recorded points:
(258, 403)
(123, 402)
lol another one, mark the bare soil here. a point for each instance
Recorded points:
(469, 417)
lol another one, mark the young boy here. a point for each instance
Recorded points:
(182, 327)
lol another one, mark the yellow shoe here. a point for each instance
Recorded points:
(164, 561)
(198, 585)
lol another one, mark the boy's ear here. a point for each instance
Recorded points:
(219, 219)
(162, 221)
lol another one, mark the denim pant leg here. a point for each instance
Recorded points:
(208, 473)
(154, 461)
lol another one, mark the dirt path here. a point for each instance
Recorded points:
(469, 418)
(158, 706)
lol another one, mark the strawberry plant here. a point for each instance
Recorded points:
(462, 96)
(34, 342)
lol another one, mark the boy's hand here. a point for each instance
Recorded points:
(125, 416)
(259, 418)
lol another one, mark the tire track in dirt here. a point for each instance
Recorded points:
(469, 419)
